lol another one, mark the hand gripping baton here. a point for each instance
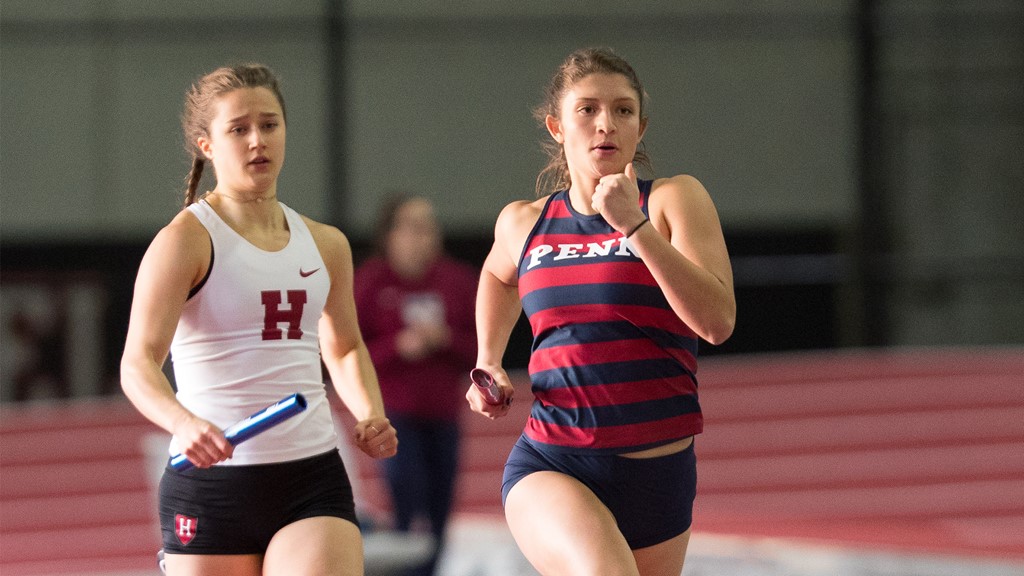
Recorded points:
(259, 422)
(483, 380)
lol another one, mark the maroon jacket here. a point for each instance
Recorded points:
(433, 387)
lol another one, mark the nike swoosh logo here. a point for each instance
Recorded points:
(305, 274)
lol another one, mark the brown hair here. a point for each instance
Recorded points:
(578, 65)
(198, 113)
(387, 214)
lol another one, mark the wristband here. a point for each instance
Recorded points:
(637, 227)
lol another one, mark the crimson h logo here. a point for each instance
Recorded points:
(185, 527)
(273, 315)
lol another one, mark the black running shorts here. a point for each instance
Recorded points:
(238, 509)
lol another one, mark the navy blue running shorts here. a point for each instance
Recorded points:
(238, 509)
(650, 498)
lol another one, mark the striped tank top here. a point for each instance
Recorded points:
(612, 368)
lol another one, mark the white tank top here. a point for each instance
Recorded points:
(249, 337)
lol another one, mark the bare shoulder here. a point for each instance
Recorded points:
(682, 210)
(519, 207)
(184, 222)
(518, 217)
(514, 224)
(681, 195)
(179, 254)
(183, 235)
(680, 185)
(331, 241)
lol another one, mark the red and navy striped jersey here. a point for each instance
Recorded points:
(612, 366)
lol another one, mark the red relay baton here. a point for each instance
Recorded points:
(484, 382)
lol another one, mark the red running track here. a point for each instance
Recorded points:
(916, 450)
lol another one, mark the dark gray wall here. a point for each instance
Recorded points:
(757, 103)
(889, 133)
(948, 151)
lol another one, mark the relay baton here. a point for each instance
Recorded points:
(259, 422)
(484, 382)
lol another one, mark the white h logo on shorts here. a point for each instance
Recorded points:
(185, 528)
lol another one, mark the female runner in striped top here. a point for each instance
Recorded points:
(619, 278)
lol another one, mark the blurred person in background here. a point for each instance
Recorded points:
(416, 311)
(249, 296)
